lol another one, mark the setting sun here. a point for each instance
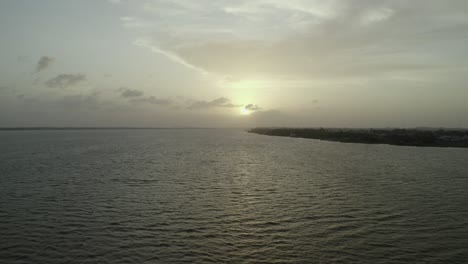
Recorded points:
(245, 111)
(290, 131)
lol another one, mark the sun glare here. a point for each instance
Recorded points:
(245, 111)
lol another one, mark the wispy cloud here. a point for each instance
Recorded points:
(153, 101)
(219, 102)
(128, 93)
(65, 80)
(44, 63)
(144, 43)
(183, 103)
(305, 40)
(81, 101)
(252, 107)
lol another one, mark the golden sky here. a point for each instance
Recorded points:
(339, 63)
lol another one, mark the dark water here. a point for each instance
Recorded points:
(225, 196)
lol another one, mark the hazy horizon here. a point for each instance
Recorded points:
(233, 131)
(214, 127)
(240, 64)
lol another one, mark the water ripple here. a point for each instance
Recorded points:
(224, 196)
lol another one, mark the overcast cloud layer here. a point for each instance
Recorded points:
(368, 63)
(308, 39)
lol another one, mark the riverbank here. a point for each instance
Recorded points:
(401, 137)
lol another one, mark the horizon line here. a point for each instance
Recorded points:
(189, 127)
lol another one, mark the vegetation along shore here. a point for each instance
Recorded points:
(402, 137)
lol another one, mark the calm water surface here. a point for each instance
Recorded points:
(225, 196)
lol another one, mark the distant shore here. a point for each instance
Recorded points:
(401, 137)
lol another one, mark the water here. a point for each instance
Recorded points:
(225, 196)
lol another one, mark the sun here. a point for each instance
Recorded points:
(245, 112)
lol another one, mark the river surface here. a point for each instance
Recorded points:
(226, 196)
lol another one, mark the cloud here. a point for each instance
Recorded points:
(81, 101)
(153, 101)
(44, 63)
(181, 102)
(307, 40)
(376, 15)
(127, 93)
(219, 102)
(252, 107)
(65, 80)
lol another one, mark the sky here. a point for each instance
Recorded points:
(226, 63)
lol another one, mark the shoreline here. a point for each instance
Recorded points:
(396, 137)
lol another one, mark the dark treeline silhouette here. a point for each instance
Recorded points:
(402, 137)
